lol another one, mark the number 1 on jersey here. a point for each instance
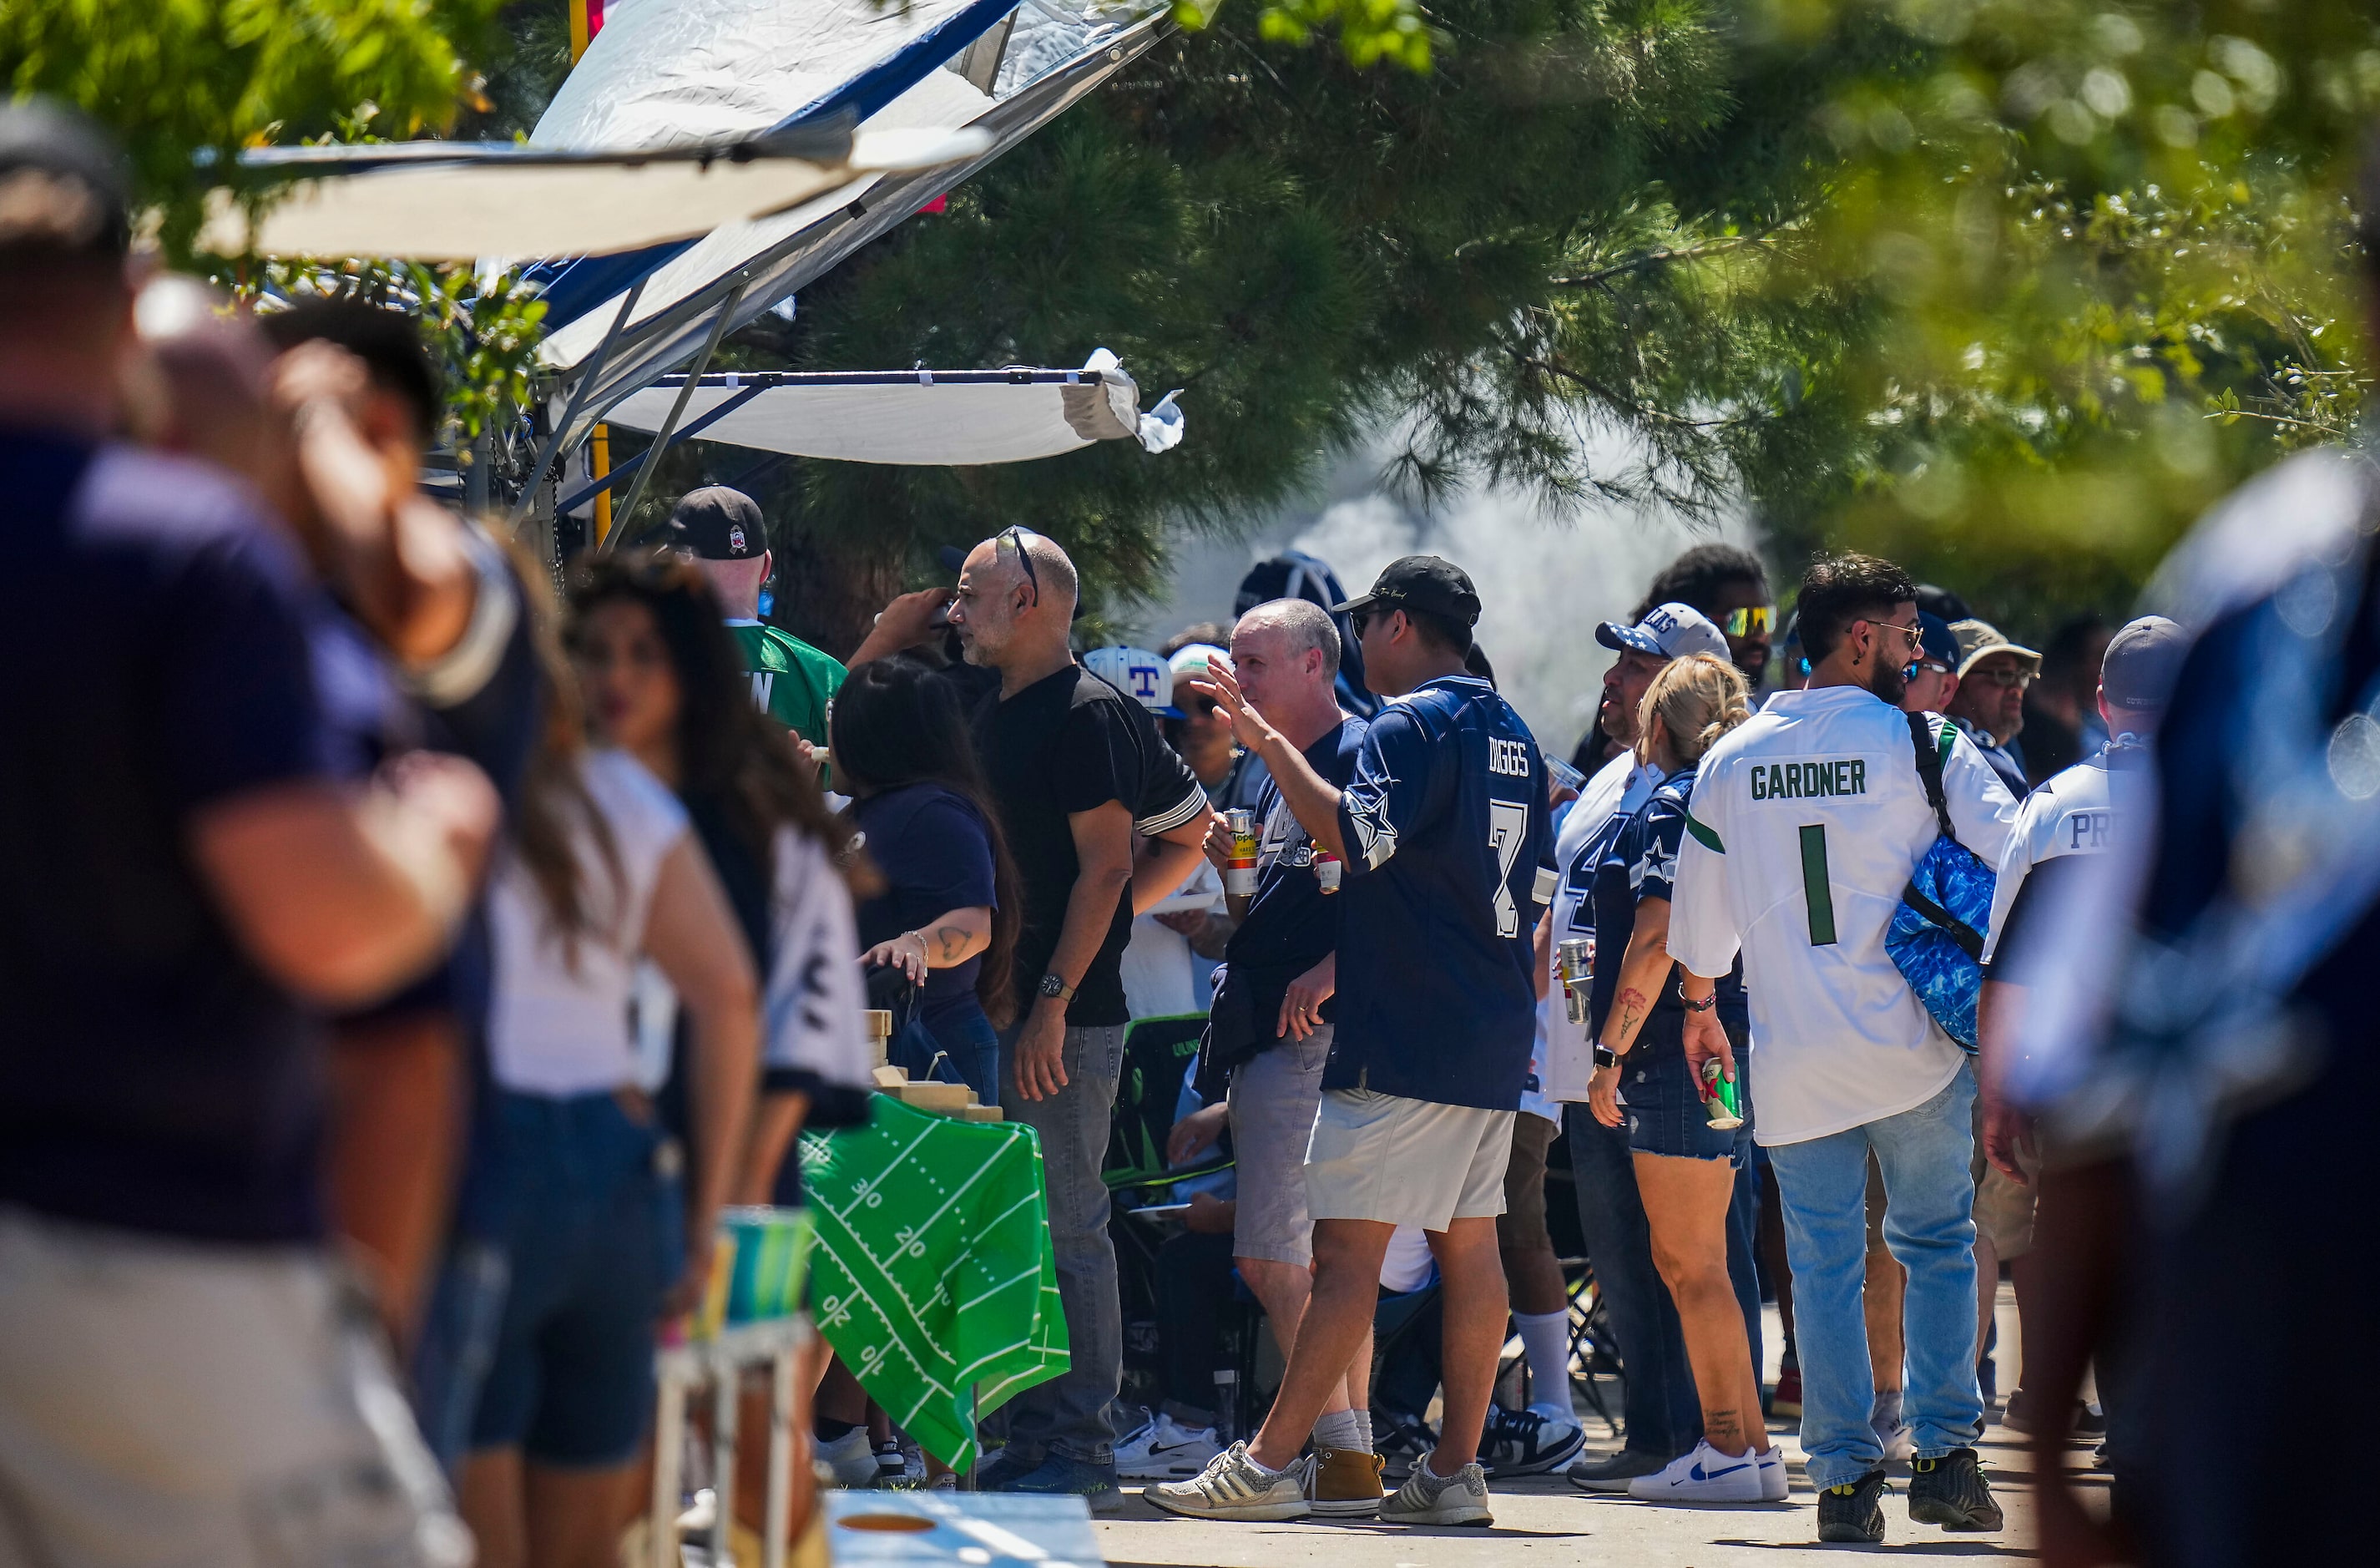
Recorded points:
(1508, 829)
(1817, 888)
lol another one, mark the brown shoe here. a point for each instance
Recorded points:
(1342, 1484)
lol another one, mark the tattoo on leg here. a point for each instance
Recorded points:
(1724, 1428)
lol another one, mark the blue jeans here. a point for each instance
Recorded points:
(1069, 1414)
(1928, 1223)
(966, 1036)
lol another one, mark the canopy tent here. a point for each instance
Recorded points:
(436, 201)
(914, 417)
(1011, 81)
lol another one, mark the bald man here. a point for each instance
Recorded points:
(1075, 767)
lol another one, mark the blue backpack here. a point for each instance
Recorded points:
(1936, 935)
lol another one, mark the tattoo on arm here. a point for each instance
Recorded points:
(953, 940)
(1632, 1008)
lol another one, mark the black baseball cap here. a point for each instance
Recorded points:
(718, 524)
(2142, 662)
(1420, 582)
(63, 186)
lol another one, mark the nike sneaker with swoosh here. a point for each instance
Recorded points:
(1702, 1476)
(1164, 1449)
(1776, 1485)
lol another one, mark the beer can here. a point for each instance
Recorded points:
(1574, 962)
(1240, 869)
(1326, 869)
(1721, 1103)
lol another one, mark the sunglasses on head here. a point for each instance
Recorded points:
(1015, 536)
(1754, 622)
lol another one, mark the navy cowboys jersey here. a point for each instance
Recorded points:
(1446, 837)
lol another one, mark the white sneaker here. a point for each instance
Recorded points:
(1703, 1475)
(1164, 1449)
(1776, 1485)
(1233, 1486)
(849, 1460)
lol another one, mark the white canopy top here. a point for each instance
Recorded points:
(917, 416)
(459, 201)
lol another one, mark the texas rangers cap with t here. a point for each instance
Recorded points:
(1137, 673)
(1668, 631)
(1420, 582)
(63, 189)
(719, 524)
(2142, 662)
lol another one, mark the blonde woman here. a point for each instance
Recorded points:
(1685, 1168)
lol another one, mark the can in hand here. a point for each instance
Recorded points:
(1574, 962)
(1326, 869)
(1721, 1103)
(1240, 869)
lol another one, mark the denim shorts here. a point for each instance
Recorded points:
(1664, 1108)
(596, 1240)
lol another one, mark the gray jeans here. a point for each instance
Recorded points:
(1070, 1414)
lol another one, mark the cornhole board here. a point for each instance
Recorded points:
(959, 1529)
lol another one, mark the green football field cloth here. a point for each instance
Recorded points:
(934, 1281)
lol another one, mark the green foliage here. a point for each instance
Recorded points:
(182, 79)
(2110, 254)
(1369, 31)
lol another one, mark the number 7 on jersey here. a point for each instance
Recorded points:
(1508, 828)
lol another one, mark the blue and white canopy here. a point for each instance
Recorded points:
(670, 69)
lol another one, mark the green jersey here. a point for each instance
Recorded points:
(791, 682)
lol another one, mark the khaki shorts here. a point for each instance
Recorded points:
(167, 1401)
(1273, 1097)
(2004, 1205)
(1521, 1227)
(1405, 1161)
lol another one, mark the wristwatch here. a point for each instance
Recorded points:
(1605, 1057)
(1052, 986)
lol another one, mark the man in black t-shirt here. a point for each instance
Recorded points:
(1075, 766)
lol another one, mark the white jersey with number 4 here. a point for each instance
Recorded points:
(1805, 824)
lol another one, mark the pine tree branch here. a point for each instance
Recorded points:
(1662, 257)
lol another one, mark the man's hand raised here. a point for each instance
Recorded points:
(1247, 726)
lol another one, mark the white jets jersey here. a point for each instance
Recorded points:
(1805, 824)
(2068, 815)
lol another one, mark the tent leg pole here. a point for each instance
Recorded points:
(579, 395)
(625, 517)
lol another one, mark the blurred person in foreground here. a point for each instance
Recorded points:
(2061, 830)
(1443, 836)
(2198, 1046)
(600, 1236)
(1988, 702)
(433, 641)
(667, 685)
(1662, 1419)
(1804, 826)
(197, 864)
(1269, 1033)
(1075, 767)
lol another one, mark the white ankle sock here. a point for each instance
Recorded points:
(1348, 1432)
(1546, 1337)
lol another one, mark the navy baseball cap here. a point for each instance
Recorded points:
(1937, 646)
(1668, 631)
(63, 186)
(2142, 662)
(1419, 582)
(719, 524)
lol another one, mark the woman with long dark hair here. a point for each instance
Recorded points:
(949, 913)
(665, 682)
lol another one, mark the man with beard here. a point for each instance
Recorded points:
(1804, 826)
